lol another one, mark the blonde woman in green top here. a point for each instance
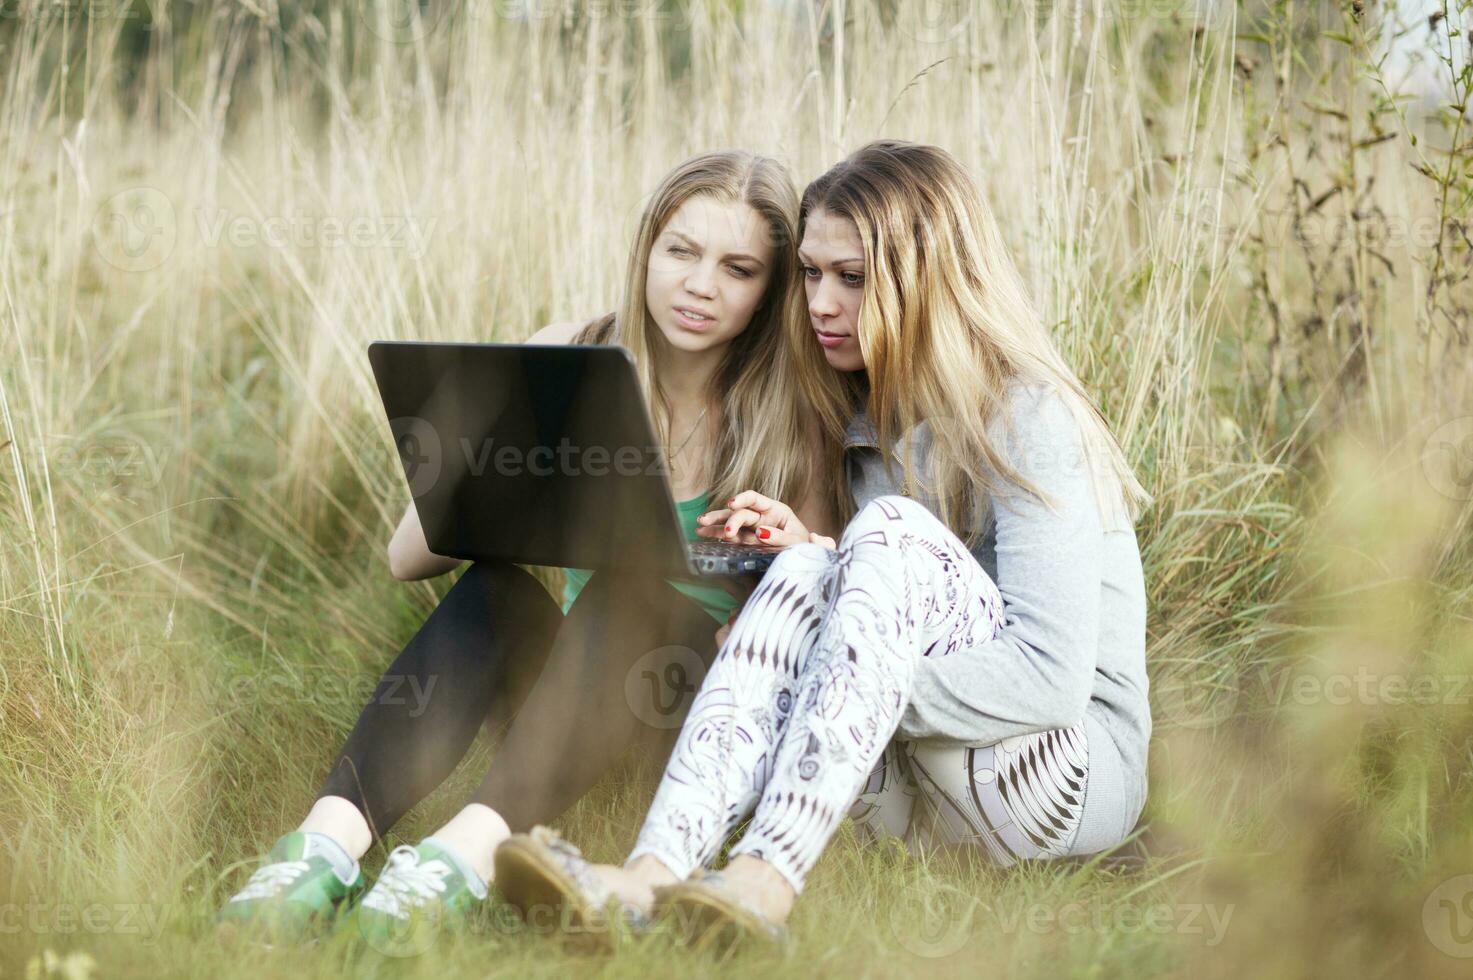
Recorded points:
(710, 273)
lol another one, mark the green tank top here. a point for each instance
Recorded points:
(717, 602)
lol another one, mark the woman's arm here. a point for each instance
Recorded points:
(410, 557)
(1037, 674)
(556, 333)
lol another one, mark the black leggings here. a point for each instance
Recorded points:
(498, 644)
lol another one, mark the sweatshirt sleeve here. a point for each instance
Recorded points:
(1037, 673)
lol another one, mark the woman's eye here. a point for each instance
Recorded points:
(854, 278)
(678, 250)
(810, 272)
(741, 272)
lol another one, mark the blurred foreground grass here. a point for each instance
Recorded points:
(1249, 232)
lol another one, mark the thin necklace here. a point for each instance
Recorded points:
(692, 432)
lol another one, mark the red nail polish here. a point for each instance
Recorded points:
(763, 533)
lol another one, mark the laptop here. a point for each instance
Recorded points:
(541, 455)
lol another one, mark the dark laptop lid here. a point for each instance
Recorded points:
(543, 455)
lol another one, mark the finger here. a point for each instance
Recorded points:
(754, 500)
(740, 519)
(827, 542)
(714, 516)
(745, 535)
(779, 537)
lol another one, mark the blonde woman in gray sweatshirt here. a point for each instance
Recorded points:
(966, 664)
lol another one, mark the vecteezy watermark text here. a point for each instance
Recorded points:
(571, 460)
(289, 686)
(1071, 918)
(304, 230)
(1203, 705)
(96, 918)
(424, 456)
(138, 229)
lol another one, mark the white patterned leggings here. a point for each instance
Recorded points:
(794, 722)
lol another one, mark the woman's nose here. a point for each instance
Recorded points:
(822, 305)
(701, 282)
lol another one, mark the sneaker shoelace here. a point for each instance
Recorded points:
(407, 883)
(271, 880)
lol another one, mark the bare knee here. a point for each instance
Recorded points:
(890, 512)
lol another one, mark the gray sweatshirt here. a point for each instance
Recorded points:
(1072, 647)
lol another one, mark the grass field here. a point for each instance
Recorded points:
(1248, 225)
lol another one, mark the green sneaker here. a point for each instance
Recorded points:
(421, 890)
(289, 896)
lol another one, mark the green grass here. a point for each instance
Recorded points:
(197, 484)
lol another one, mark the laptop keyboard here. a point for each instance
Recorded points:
(705, 547)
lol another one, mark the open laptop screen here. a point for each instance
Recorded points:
(542, 455)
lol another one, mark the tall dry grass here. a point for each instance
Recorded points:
(1222, 209)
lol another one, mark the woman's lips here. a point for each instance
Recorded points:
(693, 322)
(831, 340)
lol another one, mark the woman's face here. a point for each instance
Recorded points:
(708, 271)
(832, 258)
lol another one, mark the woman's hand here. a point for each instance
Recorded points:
(750, 518)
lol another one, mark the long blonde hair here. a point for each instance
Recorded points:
(766, 441)
(946, 325)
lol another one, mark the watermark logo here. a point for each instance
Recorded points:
(1193, 703)
(136, 229)
(403, 936)
(933, 921)
(1447, 458)
(661, 685)
(1447, 917)
(935, 21)
(401, 21)
(419, 450)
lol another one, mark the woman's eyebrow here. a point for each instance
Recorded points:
(740, 256)
(837, 262)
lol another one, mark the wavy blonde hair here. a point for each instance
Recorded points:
(767, 441)
(946, 324)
